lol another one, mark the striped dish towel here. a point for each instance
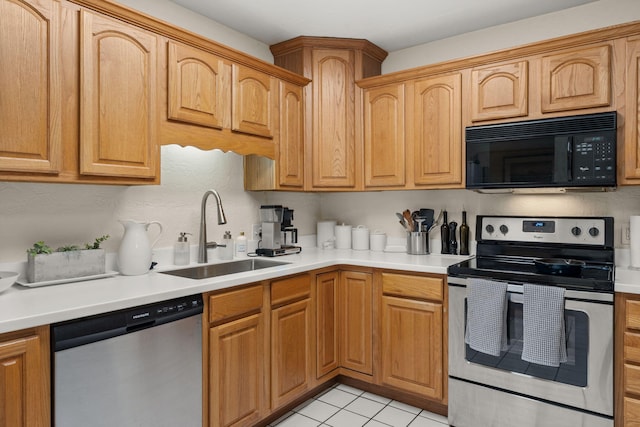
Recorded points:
(486, 316)
(543, 324)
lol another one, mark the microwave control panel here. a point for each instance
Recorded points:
(594, 159)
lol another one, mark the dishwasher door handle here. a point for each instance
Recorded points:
(142, 325)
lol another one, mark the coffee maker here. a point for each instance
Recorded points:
(278, 233)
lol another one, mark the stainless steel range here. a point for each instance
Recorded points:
(531, 324)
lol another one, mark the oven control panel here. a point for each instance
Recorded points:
(589, 231)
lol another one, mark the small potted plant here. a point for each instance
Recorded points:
(70, 261)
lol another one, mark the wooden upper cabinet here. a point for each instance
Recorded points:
(384, 138)
(333, 105)
(118, 116)
(333, 148)
(290, 150)
(199, 87)
(576, 79)
(30, 98)
(631, 153)
(499, 91)
(436, 130)
(254, 102)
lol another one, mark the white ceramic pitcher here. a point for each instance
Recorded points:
(134, 255)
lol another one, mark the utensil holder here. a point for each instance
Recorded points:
(418, 243)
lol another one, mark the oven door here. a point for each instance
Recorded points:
(584, 382)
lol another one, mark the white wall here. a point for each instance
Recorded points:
(590, 16)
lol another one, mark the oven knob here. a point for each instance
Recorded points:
(576, 231)
(593, 231)
(489, 228)
(504, 229)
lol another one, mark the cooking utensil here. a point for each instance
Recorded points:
(437, 221)
(560, 266)
(407, 217)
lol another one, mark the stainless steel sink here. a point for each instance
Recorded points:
(214, 270)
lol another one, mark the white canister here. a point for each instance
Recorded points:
(343, 236)
(634, 237)
(378, 241)
(326, 234)
(360, 238)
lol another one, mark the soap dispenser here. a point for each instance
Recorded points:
(226, 248)
(182, 250)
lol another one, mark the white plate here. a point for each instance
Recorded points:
(67, 280)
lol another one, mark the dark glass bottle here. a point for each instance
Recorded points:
(453, 243)
(444, 233)
(464, 235)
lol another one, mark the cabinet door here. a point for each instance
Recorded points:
(384, 141)
(290, 144)
(254, 102)
(333, 140)
(118, 120)
(291, 336)
(436, 130)
(30, 99)
(24, 381)
(327, 323)
(412, 353)
(632, 113)
(237, 372)
(356, 304)
(499, 91)
(199, 89)
(576, 79)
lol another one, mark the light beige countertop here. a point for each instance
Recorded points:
(22, 307)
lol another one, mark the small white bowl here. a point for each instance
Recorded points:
(7, 278)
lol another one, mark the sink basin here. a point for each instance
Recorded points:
(214, 270)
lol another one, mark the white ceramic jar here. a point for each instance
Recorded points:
(360, 238)
(378, 241)
(343, 236)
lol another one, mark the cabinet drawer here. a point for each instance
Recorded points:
(631, 412)
(632, 379)
(633, 314)
(235, 303)
(403, 285)
(290, 289)
(631, 347)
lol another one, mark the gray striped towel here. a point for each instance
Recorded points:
(486, 316)
(543, 324)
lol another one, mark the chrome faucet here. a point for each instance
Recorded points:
(203, 245)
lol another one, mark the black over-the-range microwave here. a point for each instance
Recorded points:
(576, 152)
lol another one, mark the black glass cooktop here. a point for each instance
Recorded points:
(591, 276)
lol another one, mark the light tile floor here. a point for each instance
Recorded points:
(345, 406)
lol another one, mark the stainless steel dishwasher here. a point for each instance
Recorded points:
(137, 367)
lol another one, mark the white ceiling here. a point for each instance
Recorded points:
(391, 24)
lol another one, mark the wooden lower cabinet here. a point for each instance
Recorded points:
(238, 365)
(272, 343)
(356, 320)
(25, 379)
(327, 323)
(413, 334)
(627, 360)
(292, 335)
